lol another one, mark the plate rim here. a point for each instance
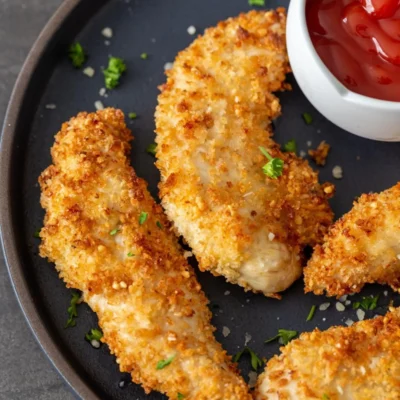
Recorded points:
(7, 231)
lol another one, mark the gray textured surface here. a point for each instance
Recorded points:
(25, 372)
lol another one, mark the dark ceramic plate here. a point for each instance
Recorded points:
(158, 28)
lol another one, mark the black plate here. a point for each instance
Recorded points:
(158, 28)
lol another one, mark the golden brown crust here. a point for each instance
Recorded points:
(362, 247)
(213, 114)
(149, 303)
(320, 154)
(361, 362)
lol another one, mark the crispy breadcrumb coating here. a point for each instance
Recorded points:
(214, 112)
(133, 275)
(361, 362)
(320, 154)
(362, 247)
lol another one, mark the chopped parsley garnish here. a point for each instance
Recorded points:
(290, 146)
(308, 119)
(130, 254)
(94, 334)
(151, 149)
(310, 315)
(367, 303)
(180, 396)
(37, 234)
(325, 397)
(256, 362)
(144, 56)
(132, 115)
(163, 363)
(112, 74)
(72, 311)
(284, 336)
(159, 224)
(114, 231)
(274, 167)
(257, 3)
(143, 217)
(77, 55)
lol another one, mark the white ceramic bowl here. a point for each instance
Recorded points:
(361, 115)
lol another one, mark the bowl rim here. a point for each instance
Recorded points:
(299, 6)
(15, 267)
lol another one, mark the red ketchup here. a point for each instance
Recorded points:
(359, 41)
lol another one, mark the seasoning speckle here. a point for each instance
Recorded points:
(225, 331)
(340, 307)
(324, 306)
(51, 106)
(98, 105)
(360, 314)
(89, 71)
(191, 30)
(168, 66)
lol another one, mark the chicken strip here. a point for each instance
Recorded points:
(214, 113)
(362, 247)
(109, 239)
(361, 362)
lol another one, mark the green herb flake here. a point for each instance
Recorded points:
(260, 3)
(132, 115)
(284, 336)
(94, 334)
(164, 363)
(72, 311)
(144, 56)
(151, 149)
(143, 217)
(77, 55)
(367, 303)
(255, 361)
(274, 166)
(310, 315)
(114, 231)
(159, 224)
(290, 146)
(180, 396)
(308, 119)
(112, 74)
(37, 234)
(130, 254)
(325, 397)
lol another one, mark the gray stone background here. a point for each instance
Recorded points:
(25, 372)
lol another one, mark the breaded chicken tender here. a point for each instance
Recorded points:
(361, 362)
(214, 113)
(109, 239)
(362, 247)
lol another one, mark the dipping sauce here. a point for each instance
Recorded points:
(359, 41)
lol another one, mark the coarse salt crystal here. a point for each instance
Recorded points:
(343, 298)
(271, 236)
(107, 32)
(324, 306)
(324, 319)
(349, 322)
(227, 293)
(107, 42)
(247, 338)
(89, 71)
(102, 91)
(191, 30)
(225, 331)
(347, 302)
(340, 306)
(95, 343)
(168, 66)
(360, 314)
(337, 172)
(98, 105)
(121, 384)
(51, 106)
